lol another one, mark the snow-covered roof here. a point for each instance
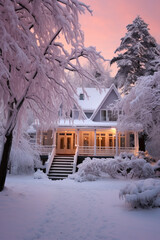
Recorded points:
(92, 98)
(86, 123)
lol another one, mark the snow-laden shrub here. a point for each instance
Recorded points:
(24, 158)
(123, 166)
(39, 174)
(21, 163)
(144, 193)
(146, 156)
(156, 168)
(89, 170)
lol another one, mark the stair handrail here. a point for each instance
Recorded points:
(50, 159)
(75, 159)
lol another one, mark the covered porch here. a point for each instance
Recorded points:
(87, 142)
(83, 142)
(95, 142)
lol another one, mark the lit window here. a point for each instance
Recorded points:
(122, 140)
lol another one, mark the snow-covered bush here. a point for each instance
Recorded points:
(156, 168)
(123, 166)
(39, 174)
(21, 163)
(146, 156)
(144, 193)
(89, 170)
(23, 158)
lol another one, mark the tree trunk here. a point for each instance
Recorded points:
(5, 160)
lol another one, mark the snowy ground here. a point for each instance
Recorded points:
(32, 209)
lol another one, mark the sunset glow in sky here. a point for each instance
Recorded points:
(110, 17)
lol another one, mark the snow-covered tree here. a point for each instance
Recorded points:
(40, 41)
(141, 108)
(102, 75)
(138, 55)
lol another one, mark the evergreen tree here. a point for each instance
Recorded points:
(138, 54)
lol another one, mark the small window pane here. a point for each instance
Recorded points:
(103, 115)
(68, 143)
(62, 143)
(81, 96)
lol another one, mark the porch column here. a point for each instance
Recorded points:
(94, 142)
(77, 139)
(40, 138)
(136, 142)
(36, 142)
(116, 142)
(54, 137)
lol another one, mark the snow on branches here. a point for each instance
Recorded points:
(121, 167)
(40, 42)
(144, 193)
(138, 55)
(141, 107)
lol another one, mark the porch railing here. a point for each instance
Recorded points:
(103, 151)
(75, 159)
(50, 159)
(45, 149)
(42, 149)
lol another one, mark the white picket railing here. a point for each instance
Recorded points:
(103, 151)
(50, 159)
(42, 149)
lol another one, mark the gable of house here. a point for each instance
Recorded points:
(92, 102)
(110, 98)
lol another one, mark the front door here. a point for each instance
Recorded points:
(65, 143)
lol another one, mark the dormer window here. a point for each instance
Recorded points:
(81, 96)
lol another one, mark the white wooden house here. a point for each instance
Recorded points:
(95, 134)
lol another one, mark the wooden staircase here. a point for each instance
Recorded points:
(61, 167)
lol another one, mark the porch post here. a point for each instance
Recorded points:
(54, 137)
(116, 142)
(77, 139)
(136, 143)
(36, 142)
(40, 139)
(94, 142)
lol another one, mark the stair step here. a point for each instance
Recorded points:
(62, 159)
(62, 163)
(57, 178)
(61, 167)
(64, 168)
(61, 170)
(58, 175)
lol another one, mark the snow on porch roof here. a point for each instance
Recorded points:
(93, 98)
(87, 123)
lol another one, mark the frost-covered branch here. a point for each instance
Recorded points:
(34, 66)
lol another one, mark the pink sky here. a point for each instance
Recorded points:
(110, 17)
